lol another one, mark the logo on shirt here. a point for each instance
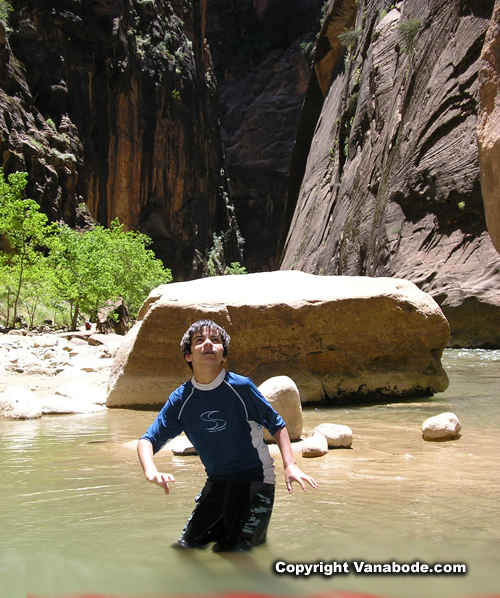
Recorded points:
(218, 424)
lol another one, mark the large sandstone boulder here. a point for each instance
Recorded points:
(283, 394)
(488, 131)
(337, 337)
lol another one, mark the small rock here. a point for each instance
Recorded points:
(315, 446)
(19, 403)
(78, 342)
(82, 391)
(444, 426)
(106, 339)
(337, 435)
(181, 445)
(62, 405)
(45, 341)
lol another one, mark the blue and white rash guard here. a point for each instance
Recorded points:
(225, 422)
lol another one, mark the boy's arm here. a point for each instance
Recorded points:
(146, 457)
(292, 471)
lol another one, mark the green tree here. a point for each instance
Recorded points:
(6, 287)
(136, 271)
(102, 264)
(24, 230)
(38, 287)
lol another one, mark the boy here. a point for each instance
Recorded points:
(223, 415)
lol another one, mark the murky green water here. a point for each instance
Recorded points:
(78, 517)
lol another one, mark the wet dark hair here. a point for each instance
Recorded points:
(199, 326)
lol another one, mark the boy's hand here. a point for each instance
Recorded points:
(162, 479)
(293, 473)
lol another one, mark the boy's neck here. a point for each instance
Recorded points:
(206, 375)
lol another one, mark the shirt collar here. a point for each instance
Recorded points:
(214, 384)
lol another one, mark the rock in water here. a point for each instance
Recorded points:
(337, 337)
(315, 446)
(338, 436)
(444, 426)
(19, 403)
(284, 396)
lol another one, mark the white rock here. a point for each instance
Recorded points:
(444, 426)
(19, 403)
(59, 404)
(181, 445)
(82, 391)
(315, 446)
(70, 372)
(45, 341)
(283, 394)
(337, 435)
(78, 342)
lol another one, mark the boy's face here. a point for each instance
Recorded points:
(206, 349)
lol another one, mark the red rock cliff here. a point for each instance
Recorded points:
(111, 107)
(386, 168)
(489, 126)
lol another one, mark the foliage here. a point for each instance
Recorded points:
(306, 48)
(214, 262)
(103, 264)
(235, 268)
(407, 32)
(24, 231)
(46, 265)
(5, 10)
(324, 10)
(350, 37)
(38, 287)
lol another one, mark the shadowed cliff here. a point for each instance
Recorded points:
(111, 107)
(261, 53)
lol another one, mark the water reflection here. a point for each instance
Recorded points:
(77, 516)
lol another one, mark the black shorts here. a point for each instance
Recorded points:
(234, 516)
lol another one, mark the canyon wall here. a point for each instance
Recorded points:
(261, 52)
(111, 108)
(386, 175)
(488, 131)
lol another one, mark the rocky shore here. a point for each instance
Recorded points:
(60, 372)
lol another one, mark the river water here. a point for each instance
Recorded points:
(78, 518)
